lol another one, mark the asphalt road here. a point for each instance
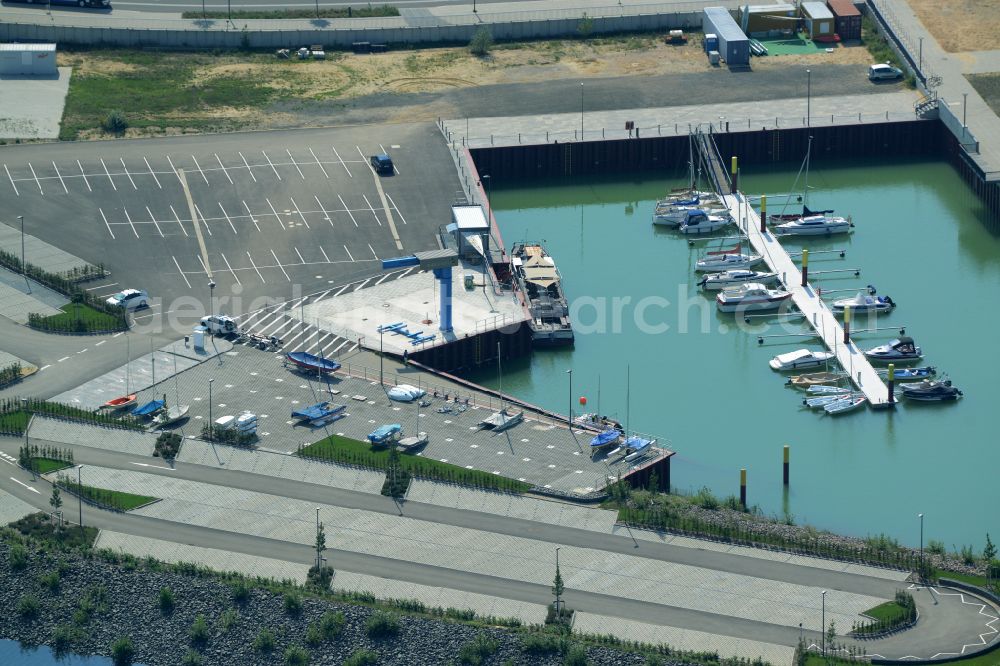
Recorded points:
(946, 620)
(177, 6)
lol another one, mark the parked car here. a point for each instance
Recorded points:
(99, 4)
(130, 299)
(382, 164)
(220, 325)
(884, 72)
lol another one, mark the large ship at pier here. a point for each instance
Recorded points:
(539, 279)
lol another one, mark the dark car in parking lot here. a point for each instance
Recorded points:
(382, 164)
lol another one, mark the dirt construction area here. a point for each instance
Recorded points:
(196, 92)
(961, 25)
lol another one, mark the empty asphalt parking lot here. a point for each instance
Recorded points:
(274, 210)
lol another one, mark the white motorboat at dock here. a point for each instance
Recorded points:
(733, 278)
(712, 263)
(751, 297)
(815, 225)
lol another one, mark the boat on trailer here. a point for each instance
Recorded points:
(605, 439)
(501, 420)
(121, 402)
(312, 363)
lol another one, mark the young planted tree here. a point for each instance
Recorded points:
(56, 502)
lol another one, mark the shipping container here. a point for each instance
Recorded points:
(768, 20)
(846, 18)
(28, 60)
(734, 46)
(818, 21)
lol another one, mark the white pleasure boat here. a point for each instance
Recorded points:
(732, 278)
(815, 225)
(801, 358)
(751, 297)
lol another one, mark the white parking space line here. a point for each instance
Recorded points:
(324, 254)
(345, 248)
(299, 211)
(297, 336)
(227, 217)
(151, 172)
(267, 317)
(204, 220)
(201, 172)
(125, 169)
(348, 212)
(256, 269)
(106, 223)
(153, 218)
(272, 165)
(342, 290)
(318, 163)
(332, 342)
(342, 162)
(253, 218)
(281, 328)
(224, 168)
(84, 174)
(280, 266)
(315, 333)
(340, 346)
(129, 218)
(230, 267)
(319, 341)
(101, 286)
(177, 217)
(60, 178)
(248, 167)
(108, 173)
(275, 212)
(11, 180)
(326, 214)
(37, 182)
(373, 251)
(294, 164)
(372, 209)
(180, 271)
(174, 169)
(395, 208)
(300, 256)
(365, 159)
(383, 278)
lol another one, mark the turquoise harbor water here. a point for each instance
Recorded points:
(13, 653)
(706, 387)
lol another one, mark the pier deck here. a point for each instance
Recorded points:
(816, 312)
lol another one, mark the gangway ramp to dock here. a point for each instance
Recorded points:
(808, 301)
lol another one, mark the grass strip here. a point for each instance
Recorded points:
(887, 612)
(15, 413)
(46, 465)
(344, 450)
(78, 318)
(111, 499)
(324, 13)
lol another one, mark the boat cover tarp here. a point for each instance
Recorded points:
(148, 408)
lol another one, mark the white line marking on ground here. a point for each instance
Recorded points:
(11, 180)
(200, 171)
(227, 217)
(60, 177)
(37, 182)
(153, 218)
(129, 218)
(362, 284)
(152, 173)
(324, 253)
(180, 271)
(278, 217)
(332, 342)
(347, 209)
(299, 211)
(395, 208)
(344, 164)
(174, 169)
(356, 345)
(372, 209)
(294, 164)
(280, 266)
(253, 218)
(326, 214)
(177, 217)
(300, 256)
(107, 225)
(345, 248)
(224, 168)
(340, 346)
(318, 163)
(62, 359)
(125, 168)
(248, 167)
(373, 251)
(342, 290)
(230, 267)
(101, 286)
(100, 343)
(383, 278)
(34, 490)
(44, 367)
(203, 219)
(84, 174)
(272, 165)
(255, 268)
(195, 214)
(108, 173)
(154, 466)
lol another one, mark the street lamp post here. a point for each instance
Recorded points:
(920, 58)
(822, 628)
(211, 423)
(558, 615)
(24, 265)
(27, 448)
(808, 97)
(79, 494)
(380, 357)
(319, 555)
(965, 103)
(569, 417)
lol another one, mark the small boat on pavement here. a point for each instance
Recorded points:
(800, 358)
(605, 438)
(700, 222)
(171, 415)
(386, 434)
(717, 281)
(931, 391)
(814, 225)
(723, 262)
(848, 404)
(900, 349)
(910, 374)
(864, 303)
(751, 297)
(121, 402)
(594, 420)
(312, 363)
(501, 420)
(816, 379)
(149, 408)
(405, 393)
(413, 442)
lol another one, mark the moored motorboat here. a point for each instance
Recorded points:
(931, 391)
(864, 303)
(723, 262)
(846, 405)
(910, 374)
(701, 222)
(814, 225)
(800, 358)
(674, 216)
(900, 349)
(751, 297)
(816, 379)
(797, 216)
(732, 278)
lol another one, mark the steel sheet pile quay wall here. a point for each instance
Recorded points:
(806, 299)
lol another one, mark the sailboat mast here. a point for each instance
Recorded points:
(598, 396)
(500, 376)
(805, 195)
(128, 362)
(628, 397)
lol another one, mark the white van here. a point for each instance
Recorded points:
(884, 72)
(220, 325)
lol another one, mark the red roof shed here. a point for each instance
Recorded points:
(847, 19)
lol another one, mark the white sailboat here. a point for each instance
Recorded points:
(501, 420)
